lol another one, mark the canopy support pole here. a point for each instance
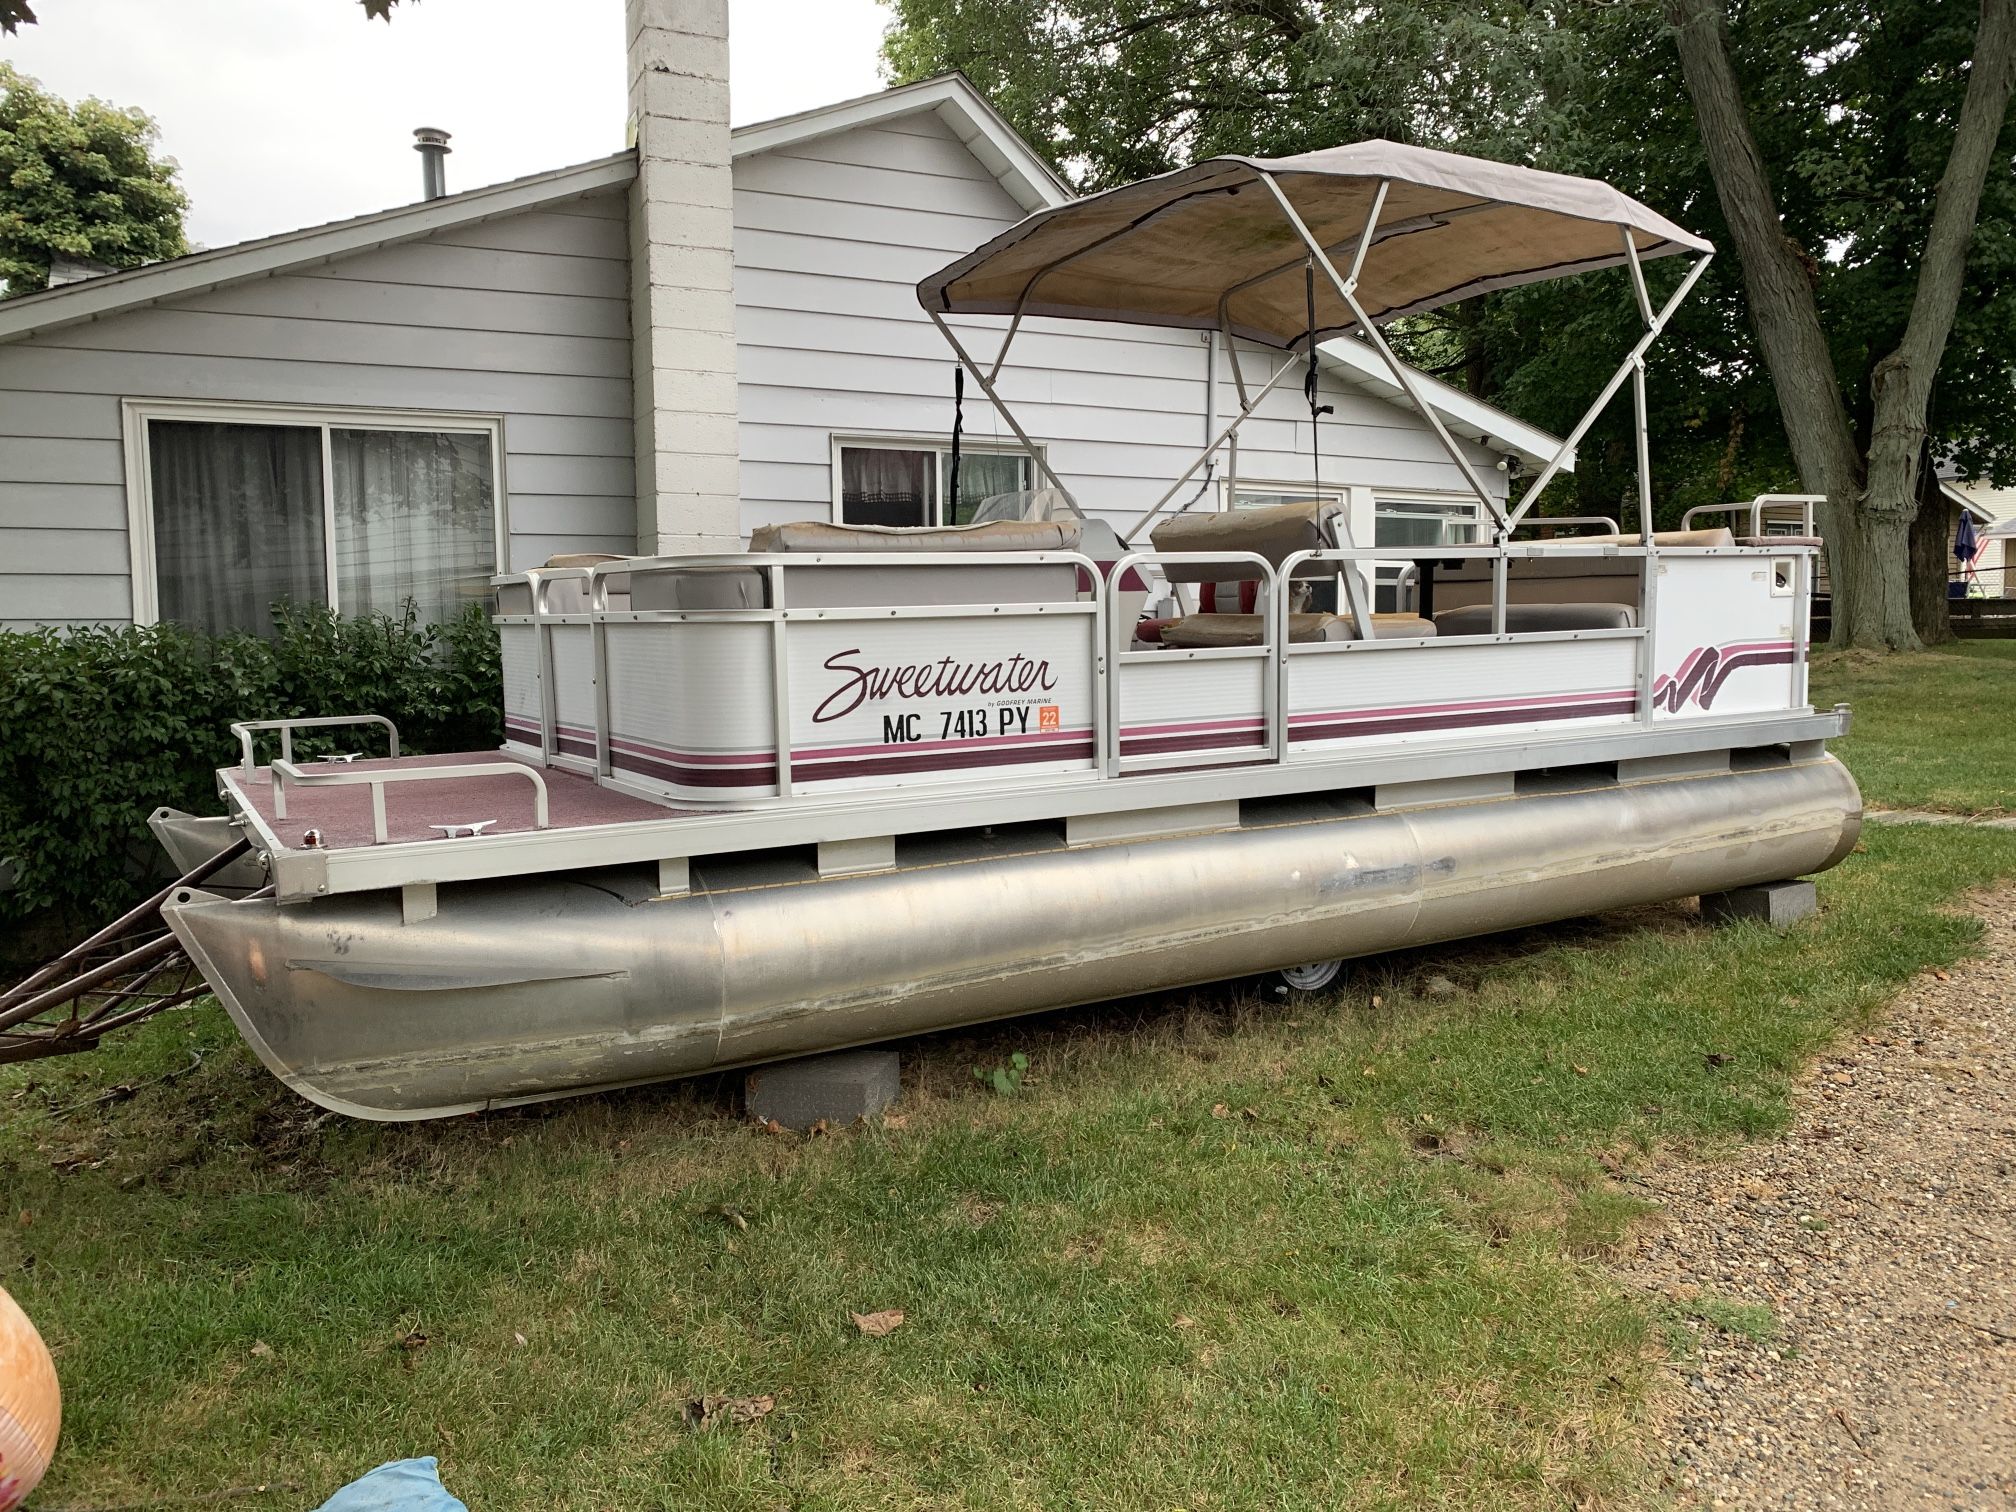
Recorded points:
(1630, 364)
(1205, 455)
(987, 387)
(1639, 410)
(1009, 340)
(1402, 374)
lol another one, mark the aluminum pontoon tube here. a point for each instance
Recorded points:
(538, 987)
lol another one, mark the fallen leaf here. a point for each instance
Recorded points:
(1369, 1071)
(1377, 1000)
(1581, 1070)
(261, 1348)
(518, 1339)
(1942, 976)
(878, 1325)
(1715, 1058)
(710, 1411)
(771, 1126)
(895, 1120)
(413, 1341)
(817, 1129)
(1219, 1110)
(1183, 1320)
(26, 1217)
(731, 1217)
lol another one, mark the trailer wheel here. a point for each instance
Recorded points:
(1313, 977)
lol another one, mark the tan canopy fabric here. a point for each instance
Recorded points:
(1165, 251)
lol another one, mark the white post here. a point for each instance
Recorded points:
(682, 279)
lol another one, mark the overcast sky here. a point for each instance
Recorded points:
(286, 113)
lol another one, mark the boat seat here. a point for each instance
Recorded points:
(888, 585)
(1198, 632)
(1719, 535)
(1276, 533)
(570, 595)
(997, 535)
(1528, 619)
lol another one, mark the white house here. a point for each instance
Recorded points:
(660, 349)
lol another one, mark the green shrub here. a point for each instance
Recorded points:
(101, 726)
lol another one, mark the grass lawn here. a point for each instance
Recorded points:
(1212, 1254)
(1931, 731)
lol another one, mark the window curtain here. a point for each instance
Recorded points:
(982, 475)
(415, 520)
(237, 522)
(884, 486)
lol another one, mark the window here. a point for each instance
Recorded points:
(1415, 522)
(240, 508)
(1267, 495)
(1423, 522)
(907, 482)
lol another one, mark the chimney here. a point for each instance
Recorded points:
(682, 279)
(432, 145)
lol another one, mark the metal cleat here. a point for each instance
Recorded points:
(462, 831)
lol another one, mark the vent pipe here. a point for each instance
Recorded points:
(432, 145)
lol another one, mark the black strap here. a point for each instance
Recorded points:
(1310, 388)
(958, 428)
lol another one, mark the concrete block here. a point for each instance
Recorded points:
(690, 268)
(1775, 903)
(837, 1089)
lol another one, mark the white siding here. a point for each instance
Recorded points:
(830, 239)
(526, 317)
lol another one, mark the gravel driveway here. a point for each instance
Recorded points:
(1881, 1234)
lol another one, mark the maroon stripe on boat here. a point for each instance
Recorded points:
(567, 745)
(942, 761)
(1210, 740)
(1613, 704)
(694, 776)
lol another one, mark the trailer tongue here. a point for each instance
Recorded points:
(858, 783)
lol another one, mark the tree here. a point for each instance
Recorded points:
(1866, 98)
(80, 181)
(1873, 489)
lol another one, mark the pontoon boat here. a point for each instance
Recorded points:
(861, 782)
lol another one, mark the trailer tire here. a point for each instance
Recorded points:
(1312, 977)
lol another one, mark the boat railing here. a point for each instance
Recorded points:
(377, 779)
(1534, 522)
(1755, 509)
(733, 678)
(247, 729)
(828, 616)
(1230, 712)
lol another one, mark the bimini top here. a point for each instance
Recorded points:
(1167, 250)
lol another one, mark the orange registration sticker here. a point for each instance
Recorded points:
(1049, 717)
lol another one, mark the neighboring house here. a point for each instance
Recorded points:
(1994, 513)
(399, 405)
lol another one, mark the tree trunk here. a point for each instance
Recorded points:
(1871, 595)
(1902, 382)
(1931, 560)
